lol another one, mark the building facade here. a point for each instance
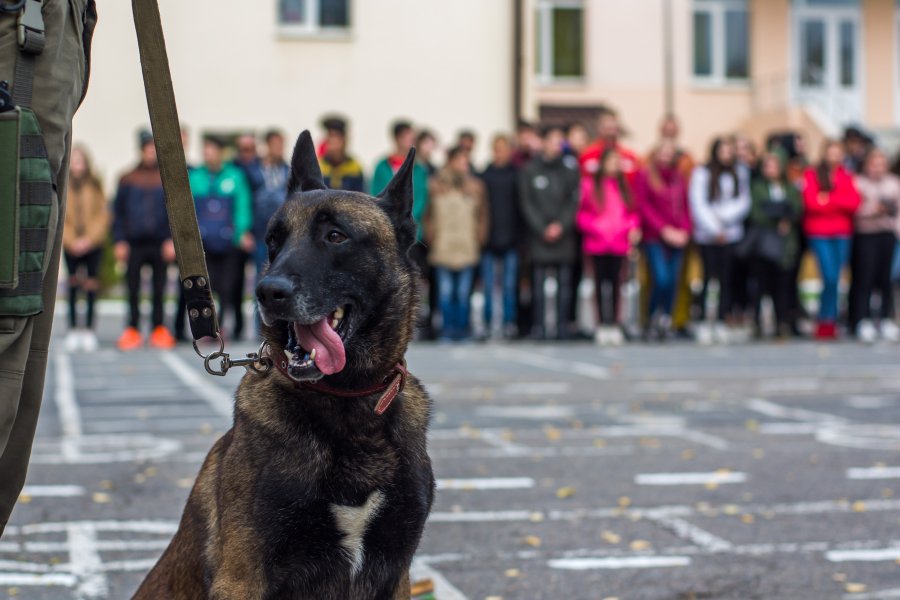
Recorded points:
(720, 65)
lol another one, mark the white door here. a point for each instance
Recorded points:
(828, 48)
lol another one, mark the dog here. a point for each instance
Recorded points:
(321, 488)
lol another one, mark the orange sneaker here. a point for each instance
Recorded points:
(161, 338)
(130, 340)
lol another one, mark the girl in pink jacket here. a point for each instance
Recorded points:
(610, 228)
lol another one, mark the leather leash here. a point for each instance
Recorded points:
(389, 389)
(179, 201)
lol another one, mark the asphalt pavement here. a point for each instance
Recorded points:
(566, 471)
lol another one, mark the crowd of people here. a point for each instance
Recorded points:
(551, 212)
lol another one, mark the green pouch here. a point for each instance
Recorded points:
(9, 199)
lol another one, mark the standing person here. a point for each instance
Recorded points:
(874, 240)
(670, 131)
(456, 225)
(224, 214)
(856, 146)
(426, 144)
(51, 85)
(142, 237)
(340, 171)
(577, 139)
(528, 144)
(86, 229)
(719, 201)
(662, 203)
(466, 141)
(609, 133)
(248, 161)
(610, 228)
(830, 199)
(501, 184)
(775, 215)
(549, 197)
(745, 287)
(271, 195)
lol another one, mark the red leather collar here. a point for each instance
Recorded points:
(389, 388)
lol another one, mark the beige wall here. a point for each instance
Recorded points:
(429, 60)
(879, 54)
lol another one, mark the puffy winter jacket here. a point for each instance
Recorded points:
(829, 214)
(723, 215)
(606, 225)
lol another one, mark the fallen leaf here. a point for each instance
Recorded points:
(507, 435)
(512, 572)
(858, 506)
(855, 588)
(839, 577)
(206, 429)
(533, 541)
(106, 484)
(536, 517)
(13, 591)
(711, 485)
(730, 509)
(751, 425)
(101, 497)
(624, 501)
(638, 545)
(747, 518)
(553, 434)
(140, 478)
(24, 499)
(687, 454)
(185, 482)
(598, 443)
(565, 492)
(611, 538)
(887, 493)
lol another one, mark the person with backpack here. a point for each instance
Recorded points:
(609, 225)
(830, 199)
(720, 201)
(225, 215)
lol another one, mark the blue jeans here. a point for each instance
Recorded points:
(454, 288)
(665, 267)
(510, 266)
(832, 254)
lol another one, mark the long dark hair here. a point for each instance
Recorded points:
(717, 168)
(624, 188)
(823, 171)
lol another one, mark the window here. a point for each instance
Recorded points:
(721, 41)
(307, 17)
(559, 39)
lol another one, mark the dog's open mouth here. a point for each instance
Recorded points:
(317, 349)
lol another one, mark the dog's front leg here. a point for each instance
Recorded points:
(239, 575)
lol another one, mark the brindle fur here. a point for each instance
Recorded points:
(258, 523)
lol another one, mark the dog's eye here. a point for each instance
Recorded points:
(336, 237)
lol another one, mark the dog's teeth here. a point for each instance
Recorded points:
(312, 355)
(339, 313)
(335, 323)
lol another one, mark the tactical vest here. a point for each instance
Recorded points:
(26, 202)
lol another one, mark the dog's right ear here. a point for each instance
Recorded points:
(305, 172)
(397, 201)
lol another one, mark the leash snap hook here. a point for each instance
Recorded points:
(258, 361)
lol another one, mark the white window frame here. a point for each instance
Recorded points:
(311, 26)
(544, 12)
(716, 9)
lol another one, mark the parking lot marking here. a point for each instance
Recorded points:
(692, 533)
(628, 562)
(53, 491)
(67, 407)
(771, 409)
(486, 483)
(876, 555)
(715, 477)
(13, 579)
(874, 473)
(85, 561)
(218, 399)
(549, 363)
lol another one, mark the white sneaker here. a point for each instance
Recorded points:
(866, 332)
(72, 341)
(721, 333)
(602, 336)
(89, 341)
(889, 331)
(616, 337)
(703, 334)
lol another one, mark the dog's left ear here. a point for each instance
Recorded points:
(305, 172)
(397, 201)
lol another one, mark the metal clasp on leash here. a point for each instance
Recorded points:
(258, 361)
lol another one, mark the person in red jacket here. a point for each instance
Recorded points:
(830, 200)
(609, 225)
(609, 130)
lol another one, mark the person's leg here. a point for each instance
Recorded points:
(538, 300)
(92, 283)
(708, 256)
(842, 255)
(674, 265)
(510, 278)
(781, 298)
(444, 280)
(829, 271)
(133, 281)
(238, 270)
(464, 280)
(863, 268)
(72, 263)
(615, 272)
(884, 281)
(600, 281)
(160, 268)
(487, 286)
(564, 277)
(726, 277)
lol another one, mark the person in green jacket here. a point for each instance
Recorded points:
(775, 214)
(404, 136)
(225, 215)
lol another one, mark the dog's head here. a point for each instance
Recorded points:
(340, 291)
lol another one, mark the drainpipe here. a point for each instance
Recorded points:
(517, 61)
(668, 58)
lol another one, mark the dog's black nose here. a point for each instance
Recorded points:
(274, 292)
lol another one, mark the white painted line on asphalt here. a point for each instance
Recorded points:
(85, 561)
(487, 516)
(104, 545)
(530, 451)
(531, 413)
(217, 398)
(874, 473)
(159, 527)
(625, 562)
(704, 439)
(536, 388)
(486, 483)
(879, 595)
(10, 547)
(67, 407)
(693, 534)
(715, 477)
(768, 386)
(24, 579)
(870, 402)
(499, 441)
(771, 409)
(789, 428)
(53, 491)
(549, 363)
(443, 589)
(879, 554)
(666, 387)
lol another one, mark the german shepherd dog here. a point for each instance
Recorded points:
(313, 494)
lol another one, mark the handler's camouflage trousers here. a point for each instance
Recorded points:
(60, 81)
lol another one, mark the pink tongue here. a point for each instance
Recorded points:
(326, 342)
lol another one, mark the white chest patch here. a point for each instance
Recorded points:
(352, 521)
